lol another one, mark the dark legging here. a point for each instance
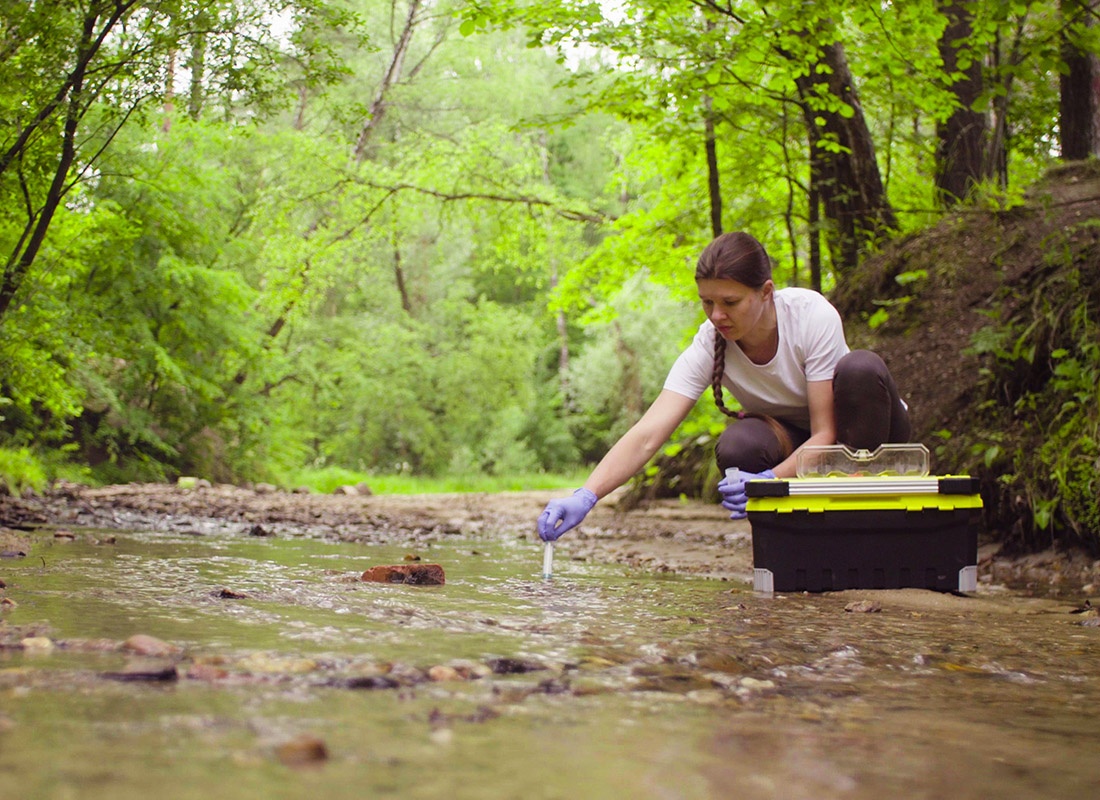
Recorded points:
(869, 412)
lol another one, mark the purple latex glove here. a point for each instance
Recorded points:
(564, 513)
(733, 493)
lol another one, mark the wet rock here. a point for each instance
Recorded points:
(261, 662)
(230, 594)
(670, 678)
(302, 751)
(441, 674)
(863, 607)
(553, 686)
(513, 666)
(707, 697)
(144, 670)
(720, 662)
(37, 644)
(412, 574)
(207, 672)
(471, 670)
(144, 645)
(371, 682)
(756, 684)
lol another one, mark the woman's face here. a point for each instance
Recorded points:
(734, 308)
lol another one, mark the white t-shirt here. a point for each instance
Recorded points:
(811, 342)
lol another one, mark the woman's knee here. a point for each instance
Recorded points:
(860, 366)
(754, 444)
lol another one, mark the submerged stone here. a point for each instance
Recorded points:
(414, 574)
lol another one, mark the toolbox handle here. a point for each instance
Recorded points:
(959, 484)
(768, 488)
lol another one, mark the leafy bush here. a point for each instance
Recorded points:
(20, 472)
(1037, 439)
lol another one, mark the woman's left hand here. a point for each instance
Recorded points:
(733, 493)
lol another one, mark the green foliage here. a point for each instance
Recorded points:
(327, 480)
(1044, 371)
(621, 369)
(20, 472)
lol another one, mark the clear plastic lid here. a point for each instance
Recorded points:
(838, 461)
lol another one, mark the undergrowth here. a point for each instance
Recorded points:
(1036, 439)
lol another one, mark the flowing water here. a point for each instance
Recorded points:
(292, 678)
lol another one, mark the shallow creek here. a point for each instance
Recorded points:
(292, 677)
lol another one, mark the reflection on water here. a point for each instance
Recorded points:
(598, 684)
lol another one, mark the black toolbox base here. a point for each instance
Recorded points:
(875, 549)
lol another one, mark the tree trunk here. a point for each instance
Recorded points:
(399, 278)
(26, 251)
(392, 75)
(714, 184)
(852, 193)
(813, 217)
(197, 65)
(961, 161)
(1079, 98)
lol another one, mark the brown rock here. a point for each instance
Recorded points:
(145, 645)
(416, 574)
(302, 751)
(206, 672)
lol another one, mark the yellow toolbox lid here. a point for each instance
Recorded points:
(904, 493)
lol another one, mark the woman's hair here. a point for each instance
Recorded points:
(737, 257)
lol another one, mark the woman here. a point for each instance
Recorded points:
(783, 355)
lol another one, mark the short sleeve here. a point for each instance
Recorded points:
(824, 341)
(691, 372)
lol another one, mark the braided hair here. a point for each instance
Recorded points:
(737, 256)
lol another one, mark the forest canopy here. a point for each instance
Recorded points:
(243, 238)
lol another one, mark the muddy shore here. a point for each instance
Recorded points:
(669, 536)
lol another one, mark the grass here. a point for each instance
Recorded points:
(23, 471)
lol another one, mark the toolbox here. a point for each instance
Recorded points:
(860, 520)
